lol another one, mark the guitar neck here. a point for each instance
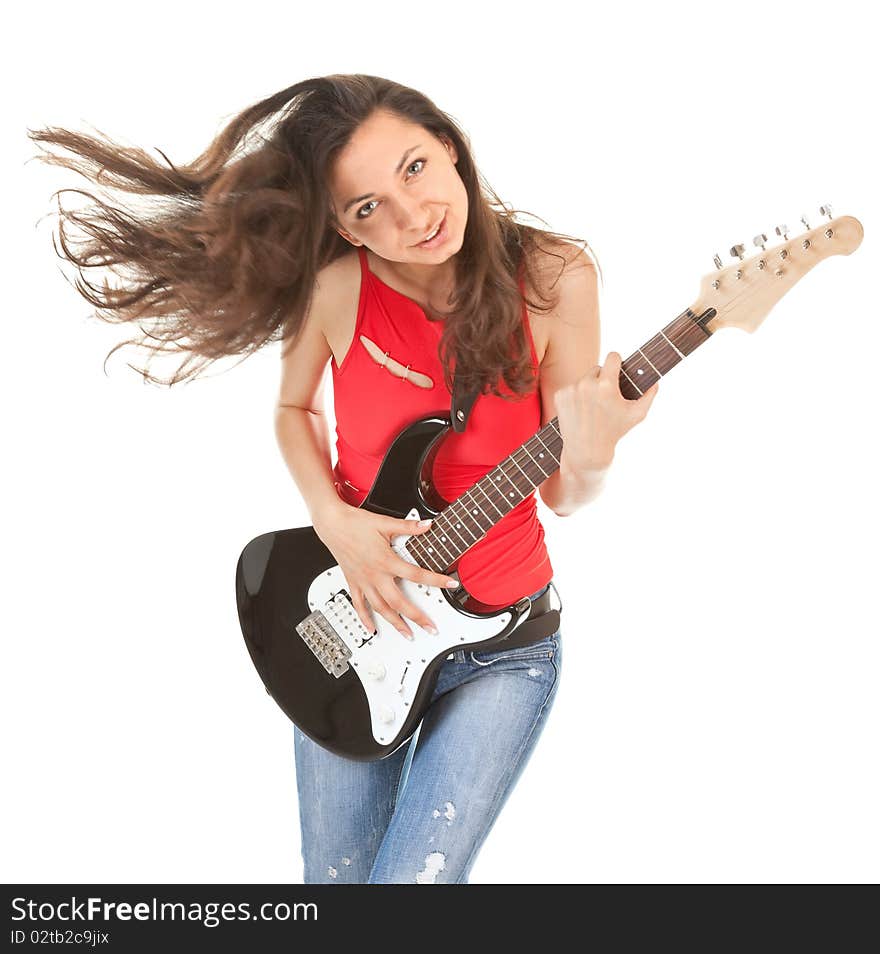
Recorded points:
(468, 518)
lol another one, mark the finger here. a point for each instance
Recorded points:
(384, 608)
(611, 368)
(411, 526)
(609, 376)
(410, 571)
(649, 395)
(427, 578)
(641, 404)
(364, 615)
(408, 609)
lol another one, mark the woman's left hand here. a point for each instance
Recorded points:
(593, 415)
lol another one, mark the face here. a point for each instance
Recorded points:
(392, 184)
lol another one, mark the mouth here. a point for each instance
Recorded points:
(437, 236)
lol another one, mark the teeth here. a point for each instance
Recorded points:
(433, 234)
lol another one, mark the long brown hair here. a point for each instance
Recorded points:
(224, 257)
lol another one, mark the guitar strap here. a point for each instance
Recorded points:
(462, 402)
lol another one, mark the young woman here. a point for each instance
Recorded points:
(359, 232)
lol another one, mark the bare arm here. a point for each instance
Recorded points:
(585, 397)
(301, 424)
(572, 351)
(357, 538)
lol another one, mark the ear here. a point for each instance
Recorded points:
(348, 237)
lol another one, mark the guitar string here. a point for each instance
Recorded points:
(419, 545)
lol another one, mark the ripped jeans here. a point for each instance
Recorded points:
(421, 815)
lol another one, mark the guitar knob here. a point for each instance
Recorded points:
(739, 250)
(761, 240)
(717, 261)
(376, 671)
(783, 231)
(386, 714)
(825, 210)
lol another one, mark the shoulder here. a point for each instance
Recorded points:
(336, 282)
(561, 278)
(557, 261)
(304, 357)
(570, 329)
(333, 287)
(335, 296)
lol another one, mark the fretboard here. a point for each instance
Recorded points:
(468, 518)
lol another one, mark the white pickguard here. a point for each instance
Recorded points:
(389, 666)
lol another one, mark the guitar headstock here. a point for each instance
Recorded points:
(742, 294)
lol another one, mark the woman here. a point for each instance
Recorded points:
(358, 231)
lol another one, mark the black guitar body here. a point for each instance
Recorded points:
(272, 580)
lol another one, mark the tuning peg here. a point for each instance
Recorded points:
(738, 250)
(761, 240)
(717, 260)
(806, 223)
(783, 231)
(825, 210)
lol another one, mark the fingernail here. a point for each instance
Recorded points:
(431, 629)
(425, 523)
(450, 584)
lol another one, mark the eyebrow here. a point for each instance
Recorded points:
(361, 198)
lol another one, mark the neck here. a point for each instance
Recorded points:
(429, 281)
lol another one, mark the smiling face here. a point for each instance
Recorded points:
(392, 184)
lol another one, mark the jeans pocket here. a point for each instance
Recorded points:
(541, 649)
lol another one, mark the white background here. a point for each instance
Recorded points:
(717, 715)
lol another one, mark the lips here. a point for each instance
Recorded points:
(434, 232)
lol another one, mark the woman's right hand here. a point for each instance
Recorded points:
(360, 542)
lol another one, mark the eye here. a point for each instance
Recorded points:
(413, 163)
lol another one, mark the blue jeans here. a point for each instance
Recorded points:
(421, 815)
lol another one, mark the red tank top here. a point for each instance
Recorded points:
(373, 405)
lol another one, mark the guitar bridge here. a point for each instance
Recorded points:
(325, 643)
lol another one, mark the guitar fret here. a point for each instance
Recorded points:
(535, 462)
(494, 477)
(431, 536)
(636, 372)
(516, 463)
(661, 354)
(503, 473)
(491, 501)
(686, 332)
(511, 481)
(630, 380)
(427, 561)
(550, 452)
(467, 517)
(673, 346)
(474, 514)
(507, 484)
(642, 353)
(461, 537)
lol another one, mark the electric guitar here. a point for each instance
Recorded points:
(361, 694)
